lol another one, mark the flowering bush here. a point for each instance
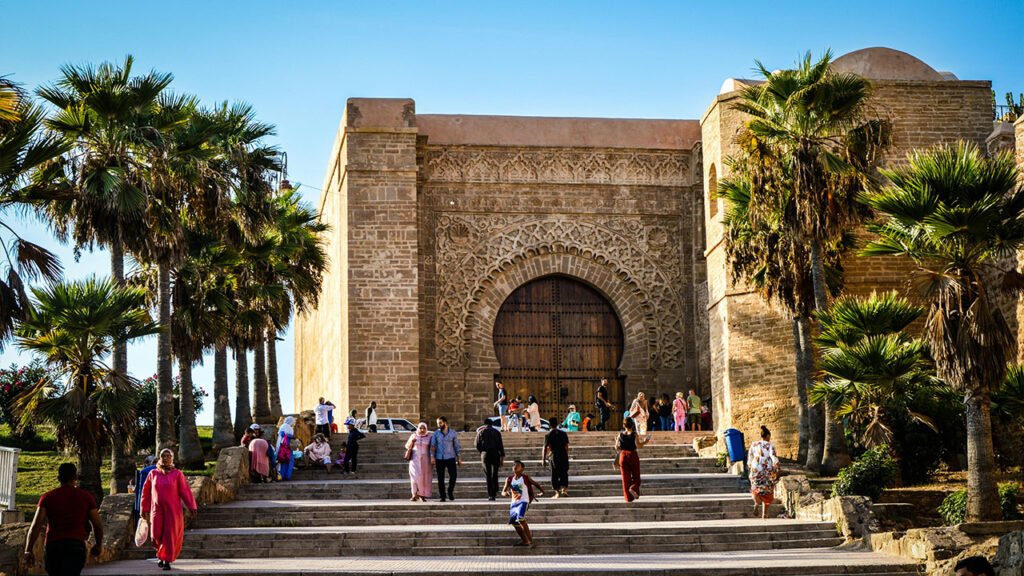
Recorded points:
(145, 409)
(13, 382)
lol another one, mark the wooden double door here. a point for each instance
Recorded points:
(555, 338)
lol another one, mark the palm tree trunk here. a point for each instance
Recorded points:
(121, 462)
(90, 460)
(837, 455)
(272, 383)
(818, 276)
(190, 450)
(165, 435)
(223, 432)
(982, 493)
(261, 411)
(815, 416)
(243, 418)
(803, 379)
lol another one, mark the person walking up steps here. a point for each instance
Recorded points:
(693, 410)
(628, 461)
(520, 487)
(679, 412)
(417, 450)
(604, 407)
(556, 454)
(492, 456)
(502, 405)
(66, 511)
(763, 464)
(446, 456)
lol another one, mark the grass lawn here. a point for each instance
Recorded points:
(38, 462)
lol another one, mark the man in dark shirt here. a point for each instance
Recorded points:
(65, 511)
(556, 447)
(492, 456)
(604, 407)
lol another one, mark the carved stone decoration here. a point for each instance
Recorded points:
(557, 166)
(473, 249)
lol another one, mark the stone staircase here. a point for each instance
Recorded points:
(691, 519)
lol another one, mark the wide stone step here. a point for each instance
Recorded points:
(585, 486)
(532, 453)
(264, 513)
(578, 467)
(788, 562)
(488, 539)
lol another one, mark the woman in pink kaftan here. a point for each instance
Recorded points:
(259, 459)
(421, 475)
(162, 496)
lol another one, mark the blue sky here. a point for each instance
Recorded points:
(297, 62)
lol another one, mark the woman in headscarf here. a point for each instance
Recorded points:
(638, 412)
(763, 464)
(283, 449)
(421, 475)
(149, 464)
(166, 489)
(572, 420)
(259, 461)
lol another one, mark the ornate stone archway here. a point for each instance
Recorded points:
(480, 255)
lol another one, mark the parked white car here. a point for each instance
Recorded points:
(388, 426)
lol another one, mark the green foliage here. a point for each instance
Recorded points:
(721, 459)
(954, 507)
(15, 381)
(874, 471)
(145, 409)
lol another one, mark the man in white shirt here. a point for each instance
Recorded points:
(371, 417)
(323, 419)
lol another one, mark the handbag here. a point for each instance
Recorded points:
(284, 452)
(141, 532)
(408, 454)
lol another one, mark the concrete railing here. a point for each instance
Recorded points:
(8, 477)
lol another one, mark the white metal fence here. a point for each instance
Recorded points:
(8, 477)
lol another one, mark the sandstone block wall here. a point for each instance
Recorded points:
(752, 357)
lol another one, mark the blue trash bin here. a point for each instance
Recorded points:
(734, 445)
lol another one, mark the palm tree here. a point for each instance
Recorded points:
(814, 118)
(957, 215)
(300, 262)
(760, 251)
(27, 169)
(74, 327)
(873, 369)
(112, 118)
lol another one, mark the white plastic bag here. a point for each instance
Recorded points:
(141, 533)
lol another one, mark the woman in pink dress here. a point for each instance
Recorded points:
(421, 475)
(162, 496)
(259, 459)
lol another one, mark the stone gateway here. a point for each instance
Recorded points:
(549, 253)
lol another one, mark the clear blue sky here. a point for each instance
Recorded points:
(297, 62)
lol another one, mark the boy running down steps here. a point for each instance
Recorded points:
(520, 488)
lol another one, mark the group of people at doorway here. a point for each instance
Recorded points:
(686, 412)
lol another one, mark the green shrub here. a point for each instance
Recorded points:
(954, 507)
(874, 471)
(722, 459)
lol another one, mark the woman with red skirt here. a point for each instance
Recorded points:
(627, 460)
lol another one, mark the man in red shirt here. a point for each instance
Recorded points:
(65, 511)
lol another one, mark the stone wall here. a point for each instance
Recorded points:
(495, 217)
(752, 357)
